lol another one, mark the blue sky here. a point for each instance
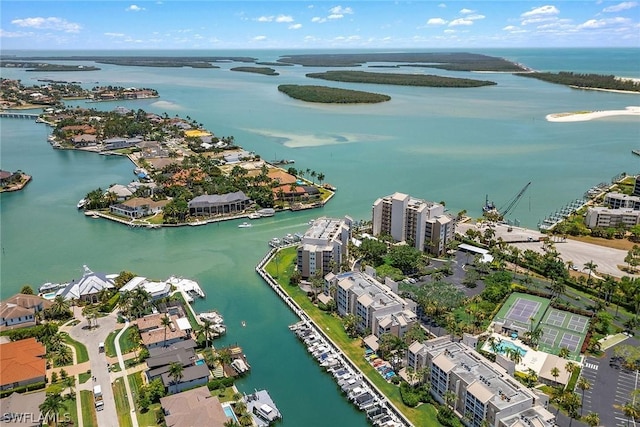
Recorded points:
(297, 24)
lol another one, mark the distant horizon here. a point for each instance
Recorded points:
(319, 24)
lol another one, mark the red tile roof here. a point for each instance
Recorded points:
(22, 361)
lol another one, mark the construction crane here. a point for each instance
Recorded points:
(490, 209)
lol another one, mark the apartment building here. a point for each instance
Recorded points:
(483, 390)
(420, 223)
(622, 201)
(377, 306)
(604, 217)
(325, 241)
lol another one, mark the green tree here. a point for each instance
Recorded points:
(51, 408)
(165, 321)
(583, 384)
(592, 419)
(27, 290)
(405, 257)
(175, 372)
(555, 373)
(373, 251)
(591, 266)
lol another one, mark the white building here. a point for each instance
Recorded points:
(421, 224)
(325, 241)
(377, 306)
(601, 217)
(157, 290)
(88, 287)
(483, 389)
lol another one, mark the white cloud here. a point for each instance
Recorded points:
(318, 19)
(50, 23)
(449, 31)
(442, 5)
(11, 35)
(621, 6)
(284, 18)
(295, 26)
(339, 10)
(134, 8)
(265, 19)
(335, 16)
(436, 21)
(114, 34)
(259, 38)
(543, 10)
(466, 11)
(600, 23)
(510, 28)
(460, 21)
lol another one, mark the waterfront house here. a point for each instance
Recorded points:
(84, 140)
(20, 310)
(154, 334)
(195, 371)
(88, 287)
(121, 192)
(157, 290)
(216, 204)
(196, 407)
(261, 407)
(138, 207)
(192, 376)
(7, 177)
(118, 143)
(22, 363)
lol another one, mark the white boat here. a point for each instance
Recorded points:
(254, 215)
(267, 212)
(244, 225)
(81, 204)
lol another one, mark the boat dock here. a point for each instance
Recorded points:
(188, 288)
(262, 409)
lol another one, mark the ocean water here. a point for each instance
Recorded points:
(451, 145)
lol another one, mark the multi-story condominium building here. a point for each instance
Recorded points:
(483, 390)
(325, 241)
(636, 187)
(376, 306)
(605, 217)
(421, 224)
(622, 201)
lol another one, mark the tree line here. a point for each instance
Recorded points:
(596, 81)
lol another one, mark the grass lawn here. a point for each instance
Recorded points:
(225, 394)
(70, 410)
(88, 409)
(126, 345)
(109, 344)
(84, 377)
(81, 350)
(122, 403)
(192, 320)
(147, 418)
(332, 325)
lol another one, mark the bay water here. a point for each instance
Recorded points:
(440, 144)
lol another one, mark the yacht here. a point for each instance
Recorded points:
(254, 215)
(244, 225)
(81, 204)
(267, 212)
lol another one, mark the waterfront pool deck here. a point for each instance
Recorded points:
(533, 359)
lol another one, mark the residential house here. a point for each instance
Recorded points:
(20, 310)
(88, 287)
(84, 140)
(7, 177)
(121, 191)
(22, 363)
(138, 207)
(324, 246)
(216, 204)
(118, 143)
(195, 371)
(154, 334)
(196, 407)
(157, 290)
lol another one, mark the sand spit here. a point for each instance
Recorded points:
(583, 116)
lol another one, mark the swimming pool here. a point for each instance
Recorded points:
(229, 413)
(504, 345)
(200, 362)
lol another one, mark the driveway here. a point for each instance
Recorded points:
(98, 361)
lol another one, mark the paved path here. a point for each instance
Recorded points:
(123, 372)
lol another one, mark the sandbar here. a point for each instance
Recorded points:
(583, 116)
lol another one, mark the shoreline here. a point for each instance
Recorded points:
(583, 116)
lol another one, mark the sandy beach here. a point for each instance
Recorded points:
(583, 116)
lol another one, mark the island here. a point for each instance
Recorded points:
(139, 61)
(258, 70)
(331, 95)
(398, 79)
(583, 116)
(454, 61)
(38, 66)
(589, 81)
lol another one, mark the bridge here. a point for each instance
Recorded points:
(16, 115)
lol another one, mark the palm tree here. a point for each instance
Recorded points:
(564, 352)
(133, 334)
(175, 372)
(63, 356)
(165, 321)
(631, 411)
(69, 382)
(450, 398)
(591, 266)
(59, 306)
(570, 367)
(571, 403)
(592, 419)
(320, 177)
(555, 373)
(516, 356)
(583, 384)
(206, 331)
(51, 406)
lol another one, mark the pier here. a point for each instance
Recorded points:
(16, 115)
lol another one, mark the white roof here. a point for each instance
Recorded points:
(133, 284)
(183, 323)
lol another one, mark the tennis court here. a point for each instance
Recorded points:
(520, 309)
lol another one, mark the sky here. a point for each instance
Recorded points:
(321, 24)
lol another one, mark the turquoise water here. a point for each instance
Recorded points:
(504, 345)
(440, 144)
(200, 362)
(229, 413)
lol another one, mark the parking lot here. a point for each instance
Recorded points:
(611, 387)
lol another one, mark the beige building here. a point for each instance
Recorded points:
(601, 217)
(483, 390)
(325, 241)
(421, 224)
(377, 306)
